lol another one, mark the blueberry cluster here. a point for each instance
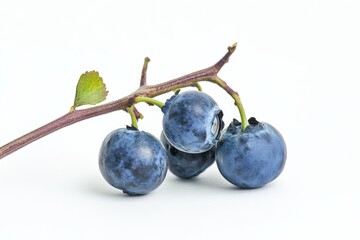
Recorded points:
(192, 139)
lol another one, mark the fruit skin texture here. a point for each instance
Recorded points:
(133, 161)
(252, 158)
(187, 165)
(192, 121)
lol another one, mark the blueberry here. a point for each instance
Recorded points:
(252, 158)
(192, 122)
(187, 165)
(133, 161)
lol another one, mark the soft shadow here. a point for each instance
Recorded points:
(209, 181)
(235, 188)
(96, 188)
(203, 181)
(173, 185)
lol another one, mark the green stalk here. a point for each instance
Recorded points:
(235, 96)
(149, 100)
(244, 121)
(198, 86)
(130, 110)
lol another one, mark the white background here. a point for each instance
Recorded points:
(296, 67)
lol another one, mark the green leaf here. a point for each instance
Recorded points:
(89, 90)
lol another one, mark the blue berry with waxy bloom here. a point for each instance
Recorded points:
(187, 165)
(252, 158)
(192, 121)
(133, 161)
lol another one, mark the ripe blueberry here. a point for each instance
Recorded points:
(252, 158)
(133, 161)
(187, 165)
(192, 122)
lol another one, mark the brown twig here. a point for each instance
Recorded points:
(207, 74)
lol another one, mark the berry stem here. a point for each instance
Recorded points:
(244, 120)
(130, 110)
(145, 90)
(236, 97)
(198, 86)
(149, 100)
